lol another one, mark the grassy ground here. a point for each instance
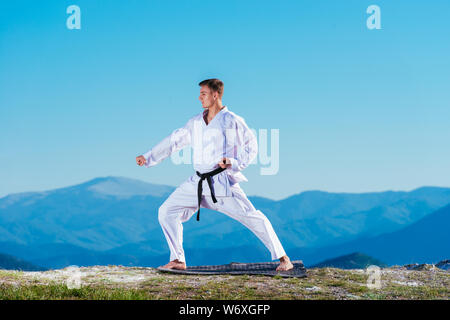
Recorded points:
(117, 282)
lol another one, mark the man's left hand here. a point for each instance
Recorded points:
(226, 163)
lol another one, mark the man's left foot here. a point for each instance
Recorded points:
(175, 264)
(285, 264)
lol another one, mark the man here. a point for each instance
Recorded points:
(223, 145)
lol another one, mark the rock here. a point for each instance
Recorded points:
(418, 267)
(408, 283)
(314, 288)
(444, 265)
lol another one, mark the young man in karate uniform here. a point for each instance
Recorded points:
(223, 145)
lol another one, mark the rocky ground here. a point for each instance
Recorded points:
(118, 282)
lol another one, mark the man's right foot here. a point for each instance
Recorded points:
(175, 264)
(285, 264)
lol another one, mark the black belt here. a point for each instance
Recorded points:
(206, 176)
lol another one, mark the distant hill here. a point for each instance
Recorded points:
(9, 262)
(354, 260)
(425, 241)
(100, 214)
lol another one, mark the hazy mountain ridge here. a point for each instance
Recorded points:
(10, 262)
(425, 241)
(114, 218)
(144, 254)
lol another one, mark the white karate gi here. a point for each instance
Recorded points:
(227, 135)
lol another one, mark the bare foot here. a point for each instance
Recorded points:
(175, 264)
(285, 264)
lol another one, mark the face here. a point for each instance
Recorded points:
(207, 97)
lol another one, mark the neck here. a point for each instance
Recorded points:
(214, 109)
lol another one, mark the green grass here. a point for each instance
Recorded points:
(10, 274)
(60, 291)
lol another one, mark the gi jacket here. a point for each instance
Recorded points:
(227, 135)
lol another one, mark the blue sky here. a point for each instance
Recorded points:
(358, 110)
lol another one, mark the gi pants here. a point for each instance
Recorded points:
(181, 205)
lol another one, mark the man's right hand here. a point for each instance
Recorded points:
(140, 160)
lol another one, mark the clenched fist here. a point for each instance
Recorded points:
(140, 160)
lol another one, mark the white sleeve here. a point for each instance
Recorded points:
(177, 140)
(245, 147)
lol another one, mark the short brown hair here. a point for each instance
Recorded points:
(213, 84)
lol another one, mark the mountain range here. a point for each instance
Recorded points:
(425, 241)
(113, 220)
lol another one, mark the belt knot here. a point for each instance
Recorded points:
(206, 176)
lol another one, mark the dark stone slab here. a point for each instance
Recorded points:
(260, 268)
